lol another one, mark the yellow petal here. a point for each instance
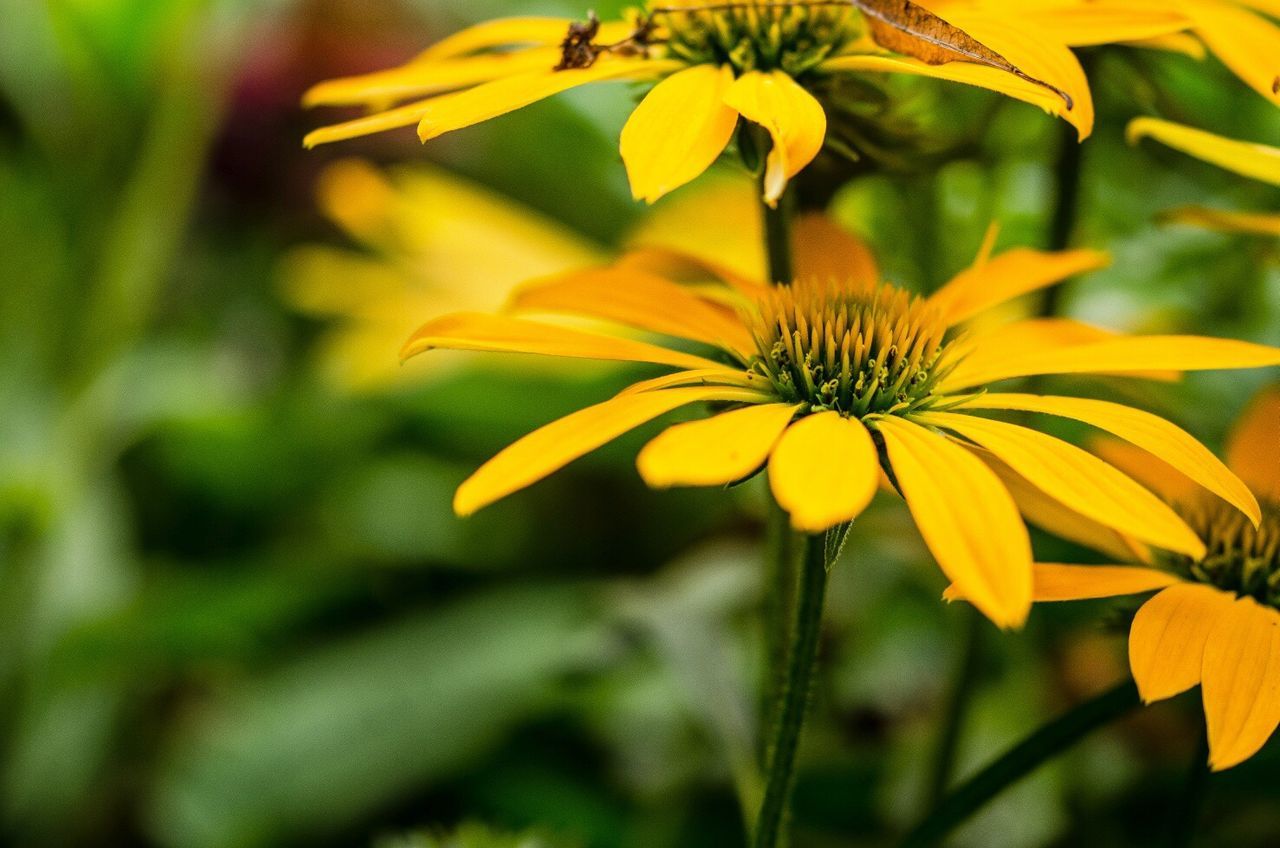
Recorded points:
(1170, 443)
(1183, 43)
(1037, 334)
(1009, 275)
(678, 264)
(512, 32)
(715, 451)
(1241, 682)
(678, 130)
(1078, 479)
(420, 80)
(824, 471)
(1149, 470)
(1246, 43)
(1049, 514)
(967, 73)
(401, 116)
(1258, 161)
(1167, 640)
(638, 299)
(554, 446)
(1099, 22)
(794, 119)
(1115, 356)
(1054, 582)
(967, 518)
(501, 334)
(455, 111)
(735, 377)
(824, 250)
(1224, 220)
(1253, 451)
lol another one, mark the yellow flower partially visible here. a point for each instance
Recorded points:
(715, 65)
(429, 243)
(1255, 161)
(1215, 620)
(840, 377)
(1242, 34)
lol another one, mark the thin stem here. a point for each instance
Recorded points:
(1046, 743)
(801, 659)
(1066, 204)
(1186, 815)
(959, 699)
(777, 240)
(779, 600)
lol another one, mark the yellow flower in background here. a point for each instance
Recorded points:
(1255, 161)
(429, 243)
(1215, 621)
(840, 378)
(1242, 34)
(714, 63)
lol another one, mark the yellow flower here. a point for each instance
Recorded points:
(839, 376)
(714, 63)
(1241, 33)
(429, 243)
(1215, 620)
(1256, 161)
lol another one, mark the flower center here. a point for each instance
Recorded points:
(755, 35)
(1241, 559)
(855, 349)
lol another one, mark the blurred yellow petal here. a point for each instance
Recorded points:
(1009, 275)
(392, 119)
(501, 334)
(1257, 161)
(1078, 479)
(455, 111)
(1167, 640)
(967, 518)
(1049, 514)
(1223, 220)
(715, 451)
(677, 264)
(1037, 334)
(795, 121)
(357, 197)
(1151, 471)
(1253, 450)
(423, 79)
(1177, 42)
(554, 446)
(1055, 582)
(1241, 682)
(638, 299)
(1170, 443)
(678, 130)
(1246, 43)
(1114, 356)
(967, 73)
(824, 471)
(824, 250)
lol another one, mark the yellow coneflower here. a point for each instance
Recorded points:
(1255, 161)
(1215, 621)
(836, 378)
(714, 63)
(1242, 34)
(428, 242)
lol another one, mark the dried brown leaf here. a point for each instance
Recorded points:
(904, 27)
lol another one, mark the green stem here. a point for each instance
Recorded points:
(1066, 204)
(778, 602)
(959, 699)
(801, 659)
(1046, 743)
(1184, 818)
(777, 240)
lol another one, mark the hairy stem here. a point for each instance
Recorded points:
(802, 656)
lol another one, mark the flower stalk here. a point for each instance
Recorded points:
(802, 657)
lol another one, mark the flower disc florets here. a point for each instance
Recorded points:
(854, 349)
(1241, 559)
(755, 36)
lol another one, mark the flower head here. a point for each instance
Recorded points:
(715, 64)
(1215, 620)
(838, 378)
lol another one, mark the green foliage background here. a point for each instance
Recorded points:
(235, 610)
